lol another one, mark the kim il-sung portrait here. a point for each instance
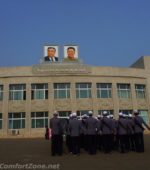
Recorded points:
(51, 53)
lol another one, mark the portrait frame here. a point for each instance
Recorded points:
(76, 55)
(45, 48)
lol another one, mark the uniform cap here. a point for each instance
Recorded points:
(74, 114)
(120, 114)
(84, 116)
(98, 116)
(70, 115)
(135, 111)
(108, 116)
(124, 115)
(130, 115)
(90, 112)
(105, 113)
(55, 113)
(111, 116)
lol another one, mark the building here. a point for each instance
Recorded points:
(30, 95)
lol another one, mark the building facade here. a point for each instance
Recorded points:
(30, 95)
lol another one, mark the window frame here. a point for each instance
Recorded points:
(12, 119)
(87, 89)
(35, 118)
(35, 91)
(127, 90)
(58, 90)
(107, 89)
(14, 94)
(143, 91)
(64, 117)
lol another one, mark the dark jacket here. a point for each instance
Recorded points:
(50, 59)
(55, 126)
(92, 126)
(74, 127)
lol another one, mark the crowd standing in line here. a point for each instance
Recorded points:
(101, 133)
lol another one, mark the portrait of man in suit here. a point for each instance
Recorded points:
(71, 52)
(51, 54)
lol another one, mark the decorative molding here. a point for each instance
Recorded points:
(61, 68)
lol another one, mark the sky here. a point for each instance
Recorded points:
(108, 32)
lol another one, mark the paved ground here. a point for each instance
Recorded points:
(37, 151)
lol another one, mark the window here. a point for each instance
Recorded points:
(83, 90)
(124, 91)
(144, 114)
(140, 91)
(16, 120)
(39, 91)
(17, 92)
(1, 120)
(104, 90)
(1, 92)
(64, 114)
(61, 90)
(126, 112)
(100, 112)
(80, 113)
(39, 119)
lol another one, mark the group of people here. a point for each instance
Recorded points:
(103, 133)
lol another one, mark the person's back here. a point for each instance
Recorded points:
(107, 125)
(83, 127)
(56, 129)
(138, 121)
(122, 126)
(55, 125)
(92, 125)
(131, 126)
(74, 126)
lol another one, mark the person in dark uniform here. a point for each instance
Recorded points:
(130, 142)
(68, 137)
(75, 127)
(83, 132)
(113, 135)
(138, 136)
(51, 55)
(92, 126)
(122, 129)
(107, 130)
(56, 129)
(99, 134)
